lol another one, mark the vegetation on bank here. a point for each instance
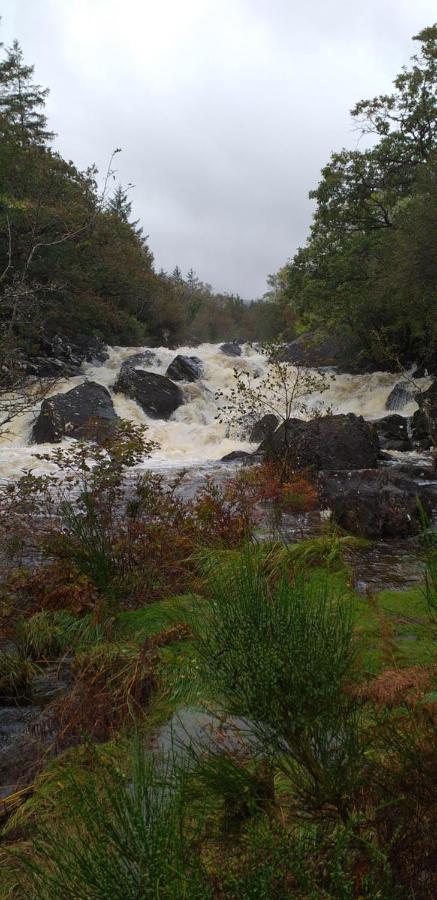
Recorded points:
(238, 722)
(368, 271)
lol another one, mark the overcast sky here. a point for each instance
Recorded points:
(225, 110)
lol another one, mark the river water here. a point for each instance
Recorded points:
(193, 435)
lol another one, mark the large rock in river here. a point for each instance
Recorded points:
(156, 394)
(263, 428)
(424, 421)
(393, 433)
(402, 393)
(329, 442)
(373, 503)
(144, 358)
(68, 415)
(312, 350)
(231, 349)
(185, 368)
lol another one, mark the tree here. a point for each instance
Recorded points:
(120, 205)
(21, 101)
(371, 208)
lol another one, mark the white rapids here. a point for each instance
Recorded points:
(193, 435)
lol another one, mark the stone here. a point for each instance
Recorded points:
(328, 442)
(312, 350)
(236, 455)
(262, 429)
(393, 433)
(69, 414)
(185, 368)
(420, 432)
(373, 503)
(402, 393)
(156, 394)
(139, 360)
(232, 348)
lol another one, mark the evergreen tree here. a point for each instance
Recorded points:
(21, 101)
(120, 205)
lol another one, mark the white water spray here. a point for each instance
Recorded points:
(193, 435)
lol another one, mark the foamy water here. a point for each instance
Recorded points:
(193, 435)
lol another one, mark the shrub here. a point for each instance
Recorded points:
(122, 836)
(277, 655)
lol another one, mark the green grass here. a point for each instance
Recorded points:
(404, 617)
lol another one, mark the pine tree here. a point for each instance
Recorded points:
(176, 276)
(120, 205)
(21, 101)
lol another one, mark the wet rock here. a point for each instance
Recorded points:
(145, 358)
(424, 421)
(420, 431)
(316, 350)
(43, 367)
(312, 350)
(185, 368)
(393, 433)
(92, 349)
(262, 429)
(329, 442)
(156, 394)
(402, 393)
(60, 357)
(373, 503)
(236, 455)
(69, 414)
(232, 348)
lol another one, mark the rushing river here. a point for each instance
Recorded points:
(193, 435)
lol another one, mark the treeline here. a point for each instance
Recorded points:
(369, 268)
(73, 262)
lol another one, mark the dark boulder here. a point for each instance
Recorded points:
(231, 349)
(156, 394)
(424, 421)
(58, 357)
(185, 368)
(236, 455)
(49, 367)
(329, 442)
(312, 350)
(420, 431)
(316, 351)
(262, 429)
(92, 349)
(393, 433)
(402, 393)
(139, 360)
(373, 503)
(68, 415)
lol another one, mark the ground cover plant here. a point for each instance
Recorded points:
(235, 720)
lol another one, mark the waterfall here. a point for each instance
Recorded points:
(193, 435)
